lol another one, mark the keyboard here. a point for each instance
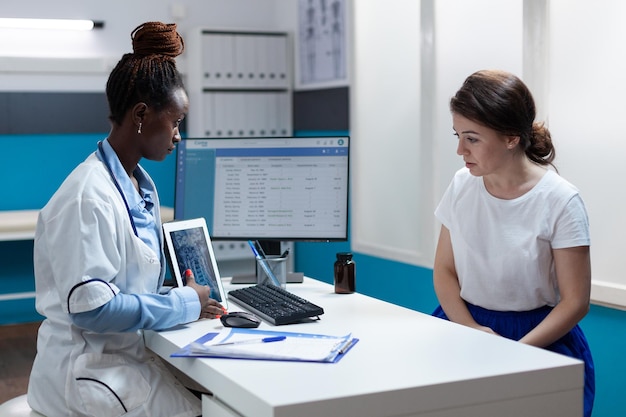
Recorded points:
(274, 304)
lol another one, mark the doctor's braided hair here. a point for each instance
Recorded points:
(501, 101)
(149, 74)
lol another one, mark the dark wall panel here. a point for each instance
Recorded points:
(326, 109)
(51, 112)
(34, 113)
(4, 114)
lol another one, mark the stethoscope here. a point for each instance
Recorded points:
(101, 156)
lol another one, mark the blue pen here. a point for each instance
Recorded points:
(200, 348)
(243, 342)
(256, 253)
(263, 263)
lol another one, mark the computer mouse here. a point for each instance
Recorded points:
(240, 319)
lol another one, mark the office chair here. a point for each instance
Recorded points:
(17, 407)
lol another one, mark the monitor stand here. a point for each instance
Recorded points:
(270, 248)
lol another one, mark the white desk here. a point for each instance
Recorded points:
(17, 225)
(405, 364)
(21, 224)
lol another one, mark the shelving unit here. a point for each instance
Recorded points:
(240, 85)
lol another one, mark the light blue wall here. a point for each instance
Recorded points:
(31, 169)
(33, 166)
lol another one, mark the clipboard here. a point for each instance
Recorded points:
(244, 343)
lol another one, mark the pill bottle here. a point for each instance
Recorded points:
(344, 273)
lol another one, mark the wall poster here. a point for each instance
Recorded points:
(321, 44)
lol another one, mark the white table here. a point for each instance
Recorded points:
(405, 364)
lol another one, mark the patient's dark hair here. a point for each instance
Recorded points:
(502, 102)
(149, 74)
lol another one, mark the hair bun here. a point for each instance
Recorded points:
(156, 38)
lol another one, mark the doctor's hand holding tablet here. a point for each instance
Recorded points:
(210, 308)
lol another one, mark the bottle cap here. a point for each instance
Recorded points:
(344, 256)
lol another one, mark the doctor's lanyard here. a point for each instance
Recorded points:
(101, 156)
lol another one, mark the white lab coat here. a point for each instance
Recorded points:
(85, 253)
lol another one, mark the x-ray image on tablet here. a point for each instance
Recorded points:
(189, 247)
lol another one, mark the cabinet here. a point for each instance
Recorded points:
(239, 84)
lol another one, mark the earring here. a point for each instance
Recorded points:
(139, 129)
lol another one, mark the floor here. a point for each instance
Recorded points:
(18, 345)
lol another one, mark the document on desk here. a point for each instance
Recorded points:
(242, 343)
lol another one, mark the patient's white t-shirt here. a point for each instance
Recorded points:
(503, 248)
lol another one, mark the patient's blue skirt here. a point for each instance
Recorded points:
(514, 325)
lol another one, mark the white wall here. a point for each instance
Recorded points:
(81, 61)
(404, 153)
(587, 107)
(570, 53)
(470, 36)
(385, 117)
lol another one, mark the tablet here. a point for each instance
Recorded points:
(188, 246)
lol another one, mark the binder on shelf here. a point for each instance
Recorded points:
(246, 60)
(239, 115)
(218, 60)
(209, 126)
(276, 53)
(284, 114)
(241, 61)
(255, 344)
(255, 111)
(226, 114)
(263, 60)
(209, 63)
(271, 114)
(213, 64)
(251, 111)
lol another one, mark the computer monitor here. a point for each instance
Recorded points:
(265, 188)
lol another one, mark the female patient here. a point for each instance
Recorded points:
(98, 255)
(513, 251)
